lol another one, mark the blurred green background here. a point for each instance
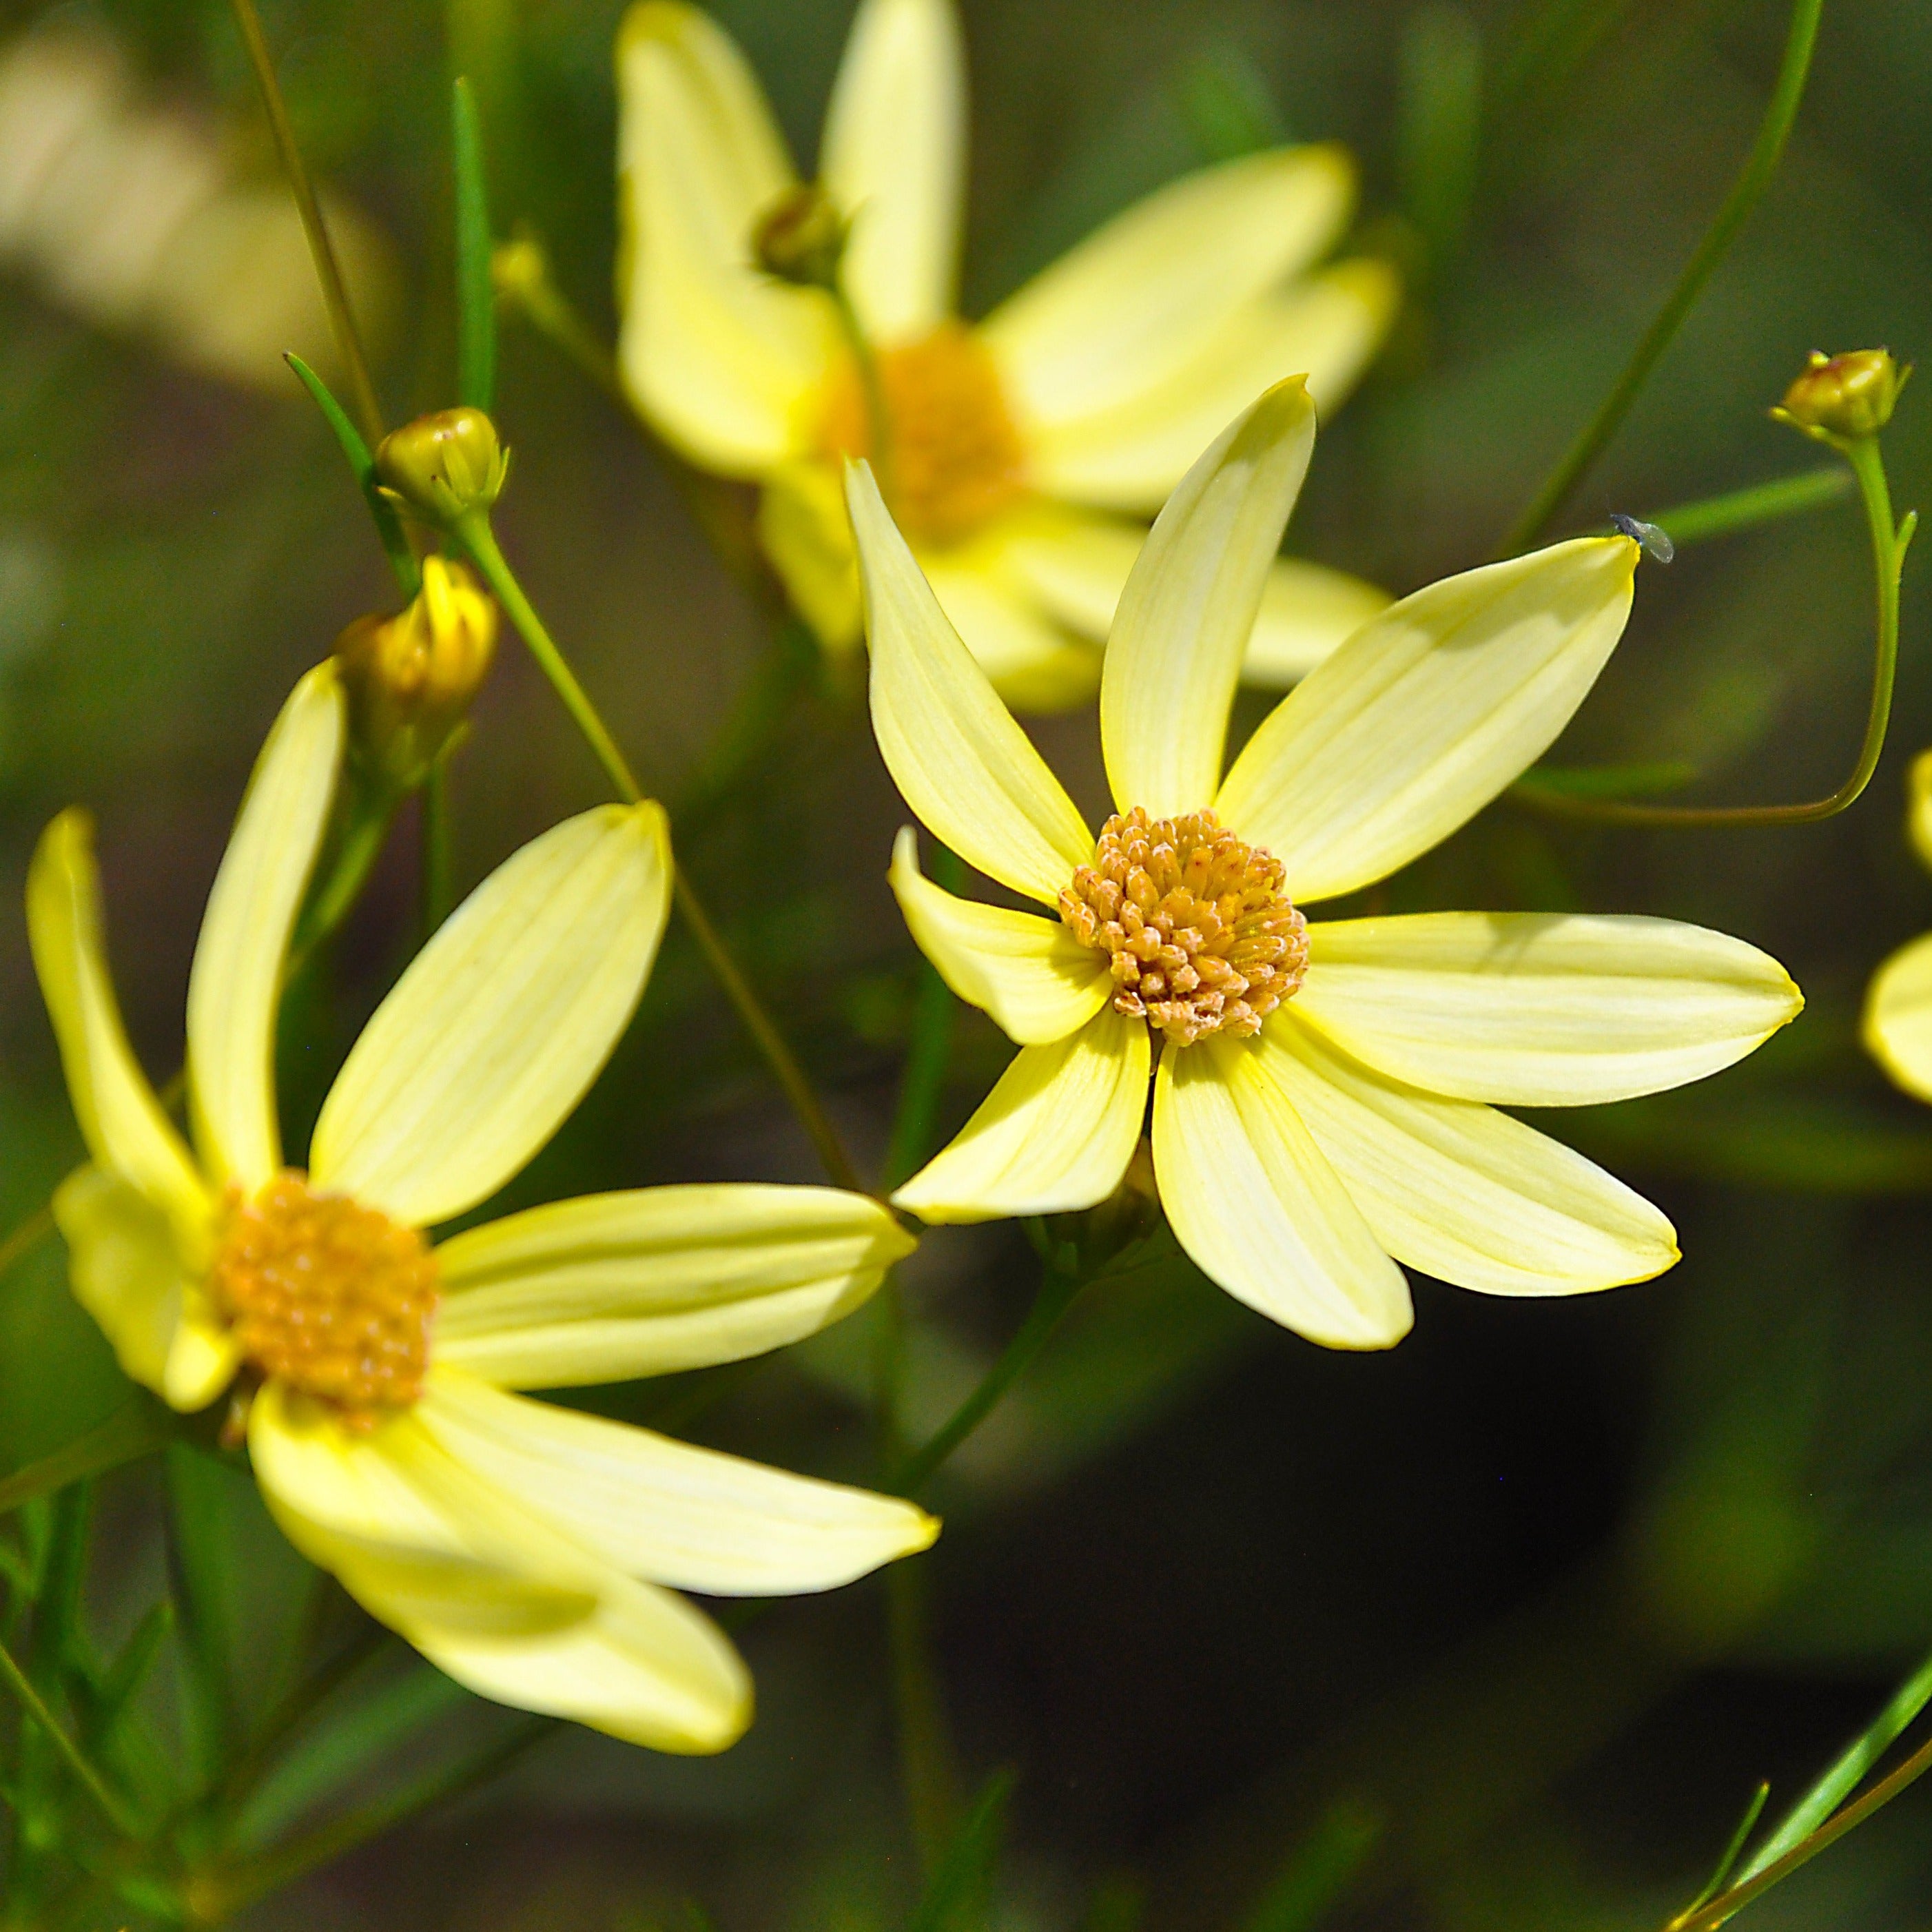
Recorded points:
(1498, 1631)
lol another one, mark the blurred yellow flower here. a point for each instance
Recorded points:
(1325, 1101)
(1019, 447)
(1898, 1004)
(522, 1548)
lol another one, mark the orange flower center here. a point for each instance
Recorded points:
(332, 1298)
(1200, 935)
(953, 459)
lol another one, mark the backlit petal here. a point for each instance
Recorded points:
(1056, 1133)
(502, 1021)
(1460, 1191)
(1250, 1197)
(1129, 456)
(486, 1589)
(1138, 301)
(1541, 1009)
(656, 1280)
(723, 360)
(952, 748)
(1897, 1025)
(1038, 982)
(125, 1261)
(1175, 651)
(664, 1511)
(893, 159)
(1426, 713)
(121, 1121)
(235, 989)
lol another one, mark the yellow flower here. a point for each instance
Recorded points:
(1019, 447)
(522, 1548)
(1325, 1095)
(1898, 1004)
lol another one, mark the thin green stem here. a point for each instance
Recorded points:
(474, 533)
(360, 846)
(97, 1787)
(1735, 510)
(872, 388)
(328, 268)
(438, 894)
(928, 1763)
(1780, 111)
(1058, 1288)
(136, 1430)
(521, 270)
(1889, 543)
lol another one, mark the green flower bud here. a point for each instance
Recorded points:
(443, 467)
(1843, 398)
(410, 678)
(801, 238)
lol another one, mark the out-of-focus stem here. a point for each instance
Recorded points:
(1746, 192)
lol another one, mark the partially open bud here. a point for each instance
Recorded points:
(801, 238)
(410, 678)
(1843, 398)
(443, 467)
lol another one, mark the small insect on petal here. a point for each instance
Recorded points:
(1653, 541)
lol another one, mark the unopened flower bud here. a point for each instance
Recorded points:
(801, 238)
(1843, 398)
(410, 678)
(443, 467)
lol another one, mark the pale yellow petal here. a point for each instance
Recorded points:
(1032, 664)
(502, 1021)
(1898, 1026)
(1541, 1009)
(1175, 651)
(1139, 300)
(959, 759)
(1308, 612)
(803, 530)
(488, 1590)
(1459, 1190)
(121, 1121)
(1250, 1197)
(1918, 810)
(1056, 1133)
(893, 158)
(1427, 712)
(234, 990)
(1128, 456)
(663, 1510)
(724, 361)
(655, 1280)
(1036, 979)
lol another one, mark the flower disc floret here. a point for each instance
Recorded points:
(956, 458)
(332, 1298)
(1200, 933)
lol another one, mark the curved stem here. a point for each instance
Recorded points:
(474, 532)
(1889, 543)
(328, 268)
(1759, 166)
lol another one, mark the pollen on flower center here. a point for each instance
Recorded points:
(1200, 937)
(954, 458)
(333, 1298)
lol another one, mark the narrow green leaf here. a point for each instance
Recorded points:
(1758, 503)
(202, 1556)
(1844, 1775)
(958, 1898)
(120, 1682)
(362, 465)
(1746, 1825)
(1318, 1871)
(1438, 124)
(475, 294)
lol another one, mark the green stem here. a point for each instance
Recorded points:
(438, 894)
(872, 388)
(1736, 510)
(474, 532)
(1058, 1287)
(116, 1813)
(1889, 543)
(1759, 166)
(929, 1764)
(360, 846)
(126, 1436)
(328, 268)
(520, 269)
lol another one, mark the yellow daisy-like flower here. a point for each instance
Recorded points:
(522, 1548)
(1324, 1103)
(1020, 446)
(1897, 1025)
